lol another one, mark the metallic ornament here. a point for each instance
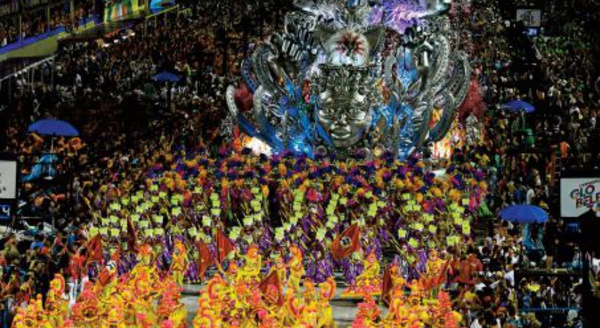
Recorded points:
(328, 82)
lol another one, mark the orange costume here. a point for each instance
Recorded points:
(170, 308)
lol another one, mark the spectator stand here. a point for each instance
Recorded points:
(105, 32)
(591, 269)
(9, 20)
(546, 293)
(22, 73)
(29, 22)
(151, 16)
(122, 27)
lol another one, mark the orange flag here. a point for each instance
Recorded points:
(387, 285)
(346, 243)
(205, 258)
(94, 249)
(267, 287)
(224, 246)
(441, 278)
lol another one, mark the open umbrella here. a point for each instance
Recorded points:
(516, 106)
(50, 127)
(524, 214)
(166, 77)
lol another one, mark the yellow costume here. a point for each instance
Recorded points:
(369, 281)
(434, 264)
(57, 308)
(281, 270)
(326, 293)
(296, 268)
(33, 317)
(249, 273)
(398, 312)
(114, 320)
(180, 262)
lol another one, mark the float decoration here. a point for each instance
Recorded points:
(355, 77)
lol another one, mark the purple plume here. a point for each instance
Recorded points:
(401, 14)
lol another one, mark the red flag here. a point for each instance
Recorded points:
(388, 284)
(224, 246)
(268, 287)
(346, 243)
(107, 274)
(76, 265)
(205, 258)
(131, 236)
(94, 248)
(441, 278)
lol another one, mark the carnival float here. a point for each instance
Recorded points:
(347, 76)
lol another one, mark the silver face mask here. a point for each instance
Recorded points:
(344, 103)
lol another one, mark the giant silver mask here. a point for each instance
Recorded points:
(344, 106)
(337, 49)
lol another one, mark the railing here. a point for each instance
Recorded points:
(6, 82)
(23, 42)
(553, 316)
(561, 309)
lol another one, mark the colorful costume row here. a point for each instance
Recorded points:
(414, 311)
(142, 298)
(283, 297)
(282, 201)
(199, 213)
(247, 295)
(241, 297)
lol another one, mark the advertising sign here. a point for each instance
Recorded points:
(578, 196)
(8, 179)
(5, 211)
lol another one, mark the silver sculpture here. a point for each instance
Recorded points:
(339, 50)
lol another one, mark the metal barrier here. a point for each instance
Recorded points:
(6, 82)
(565, 309)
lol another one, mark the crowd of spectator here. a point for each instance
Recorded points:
(9, 32)
(107, 91)
(36, 22)
(556, 74)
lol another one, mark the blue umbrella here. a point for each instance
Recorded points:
(166, 77)
(516, 106)
(524, 214)
(51, 127)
